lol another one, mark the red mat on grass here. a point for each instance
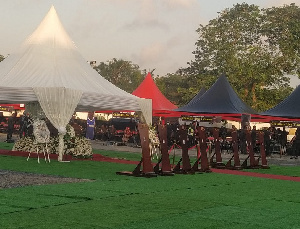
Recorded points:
(251, 174)
(99, 157)
(96, 157)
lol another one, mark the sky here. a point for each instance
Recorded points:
(154, 34)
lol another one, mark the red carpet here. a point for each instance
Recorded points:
(251, 174)
(96, 157)
(99, 157)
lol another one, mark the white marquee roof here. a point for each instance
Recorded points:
(50, 59)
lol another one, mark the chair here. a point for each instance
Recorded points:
(41, 138)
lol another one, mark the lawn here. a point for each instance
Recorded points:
(209, 200)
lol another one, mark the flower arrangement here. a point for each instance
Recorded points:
(154, 143)
(78, 147)
(24, 144)
(153, 136)
(70, 131)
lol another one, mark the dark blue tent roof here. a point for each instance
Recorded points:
(289, 107)
(219, 99)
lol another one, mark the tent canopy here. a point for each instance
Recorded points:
(219, 99)
(149, 90)
(288, 108)
(48, 69)
(50, 59)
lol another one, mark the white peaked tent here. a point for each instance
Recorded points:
(48, 69)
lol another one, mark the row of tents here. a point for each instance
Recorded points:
(219, 100)
(49, 69)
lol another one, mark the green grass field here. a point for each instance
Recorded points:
(209, 200)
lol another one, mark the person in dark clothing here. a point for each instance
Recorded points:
(278, 134)
(283, 141)
(90, 126)
(267, 141)
(10, 127)
(112, 132)
(296, 144)
(223, 133)
(24, 124)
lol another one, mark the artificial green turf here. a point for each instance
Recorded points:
(113, 201)
(209, 200)
(79, 169)
(5, 145)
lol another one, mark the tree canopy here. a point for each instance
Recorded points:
(256, 48)
(253, 49)
(282, 29)
(124, 74)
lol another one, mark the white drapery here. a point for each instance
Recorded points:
(58, 104)
(146, 108)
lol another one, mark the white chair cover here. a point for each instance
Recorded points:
(41, 132)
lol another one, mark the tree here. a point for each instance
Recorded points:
(180, 88)
(282, 29)
(236, 43)
(169, 86)
(121, 73)
(1, 58)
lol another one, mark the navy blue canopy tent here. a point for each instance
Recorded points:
(219, 99)
(288, 108)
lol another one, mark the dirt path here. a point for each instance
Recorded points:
(13, 179)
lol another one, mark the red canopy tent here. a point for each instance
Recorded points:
(148, 90)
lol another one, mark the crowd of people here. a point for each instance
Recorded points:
(275, 139)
